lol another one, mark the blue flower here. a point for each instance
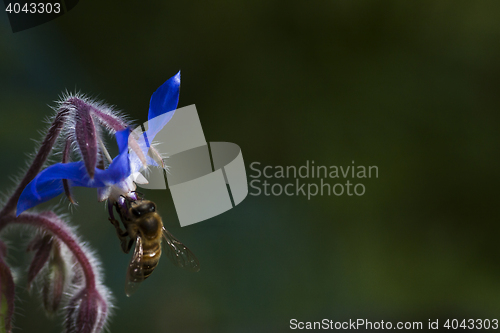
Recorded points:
(117, 179)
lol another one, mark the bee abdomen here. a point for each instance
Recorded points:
(151, 259)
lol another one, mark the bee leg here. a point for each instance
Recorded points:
(122, 208)
(122, 235)
(126, 246)
(129, 246)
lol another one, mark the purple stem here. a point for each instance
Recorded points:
(51, 222)
(113, 122)
(38, 162)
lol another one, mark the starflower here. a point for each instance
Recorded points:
(119, 178)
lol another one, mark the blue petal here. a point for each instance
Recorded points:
(119, 169)
(122, 140)
(31, 197)
(48, 183)
(155, 125)
(162, 106)
(166, 97)
(74, 171)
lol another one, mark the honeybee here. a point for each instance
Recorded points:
(144, 225)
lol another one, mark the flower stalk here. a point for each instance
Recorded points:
(93, 316)
(38, 162)
(69, 275)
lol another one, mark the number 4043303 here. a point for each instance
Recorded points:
(477, 324)
(33, 8)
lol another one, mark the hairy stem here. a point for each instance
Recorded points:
(49, 221)
(38, 162)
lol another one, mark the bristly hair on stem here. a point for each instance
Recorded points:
(37, 163)
(67, 271)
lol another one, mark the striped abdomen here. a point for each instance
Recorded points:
(151, 256)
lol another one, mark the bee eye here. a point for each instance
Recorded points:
(136, 212)
(143, 209)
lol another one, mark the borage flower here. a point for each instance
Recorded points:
(119, 178)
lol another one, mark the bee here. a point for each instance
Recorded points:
(144, 225)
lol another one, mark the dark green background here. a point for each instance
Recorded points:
(412, 87)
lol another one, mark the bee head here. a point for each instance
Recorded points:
(143, 208)
(147, 219)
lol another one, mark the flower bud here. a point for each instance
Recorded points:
(86, 136)
(54, 281)
(50, 265)
(86, 312)
(42, 245)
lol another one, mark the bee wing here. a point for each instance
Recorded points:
(179, 254)
(135, 274)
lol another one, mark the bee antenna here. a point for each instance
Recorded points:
(140, 193)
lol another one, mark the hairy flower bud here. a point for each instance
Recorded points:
(87, 118)
(49, 263)
(86, 312)
(86, 136)
(42, 244)
(54, 281)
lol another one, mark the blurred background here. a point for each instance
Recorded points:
(411, 87)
